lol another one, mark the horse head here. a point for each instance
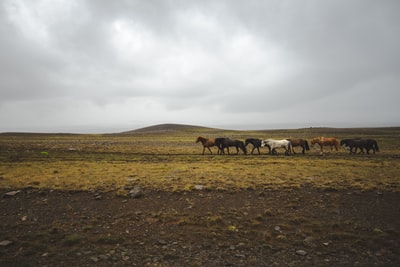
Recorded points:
(243, 147)
(315, 140)
(263, 143)
(199, 139)
(247, 141)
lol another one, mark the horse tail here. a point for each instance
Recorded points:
(218, 144)
(306, 145)
(376, 146)
(243, 148)
(290, 146)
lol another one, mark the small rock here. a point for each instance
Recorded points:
(161, 242)
(103, 257)
(13, 193)
(5, 243)
(199, 187)
(281, 237)
(125, 258)
(277, 228)
(136, 192)
(308, 241)
(301, 252)
(94, 259)
(241, 244)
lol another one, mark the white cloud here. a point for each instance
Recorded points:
(209, 63)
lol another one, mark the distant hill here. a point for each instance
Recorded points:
(300, 133)
(170, 127)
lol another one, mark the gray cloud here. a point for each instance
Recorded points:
(134, 63)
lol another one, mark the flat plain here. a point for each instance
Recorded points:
(149, 197)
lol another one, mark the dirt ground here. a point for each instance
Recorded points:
(288, 227)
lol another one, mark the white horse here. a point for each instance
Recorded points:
(273, 144)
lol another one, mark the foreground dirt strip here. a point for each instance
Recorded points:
(289, 227)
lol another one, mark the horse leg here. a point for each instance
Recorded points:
(258, 151)
(208, 149)
(286, 152)
(253, 150)
(204, 148)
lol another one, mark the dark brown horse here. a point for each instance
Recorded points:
(223, 143)
(325, 141)
(361, 144)
(207, 143)
(301, 143)
(255, 142)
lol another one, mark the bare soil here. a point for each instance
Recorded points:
(287, 227)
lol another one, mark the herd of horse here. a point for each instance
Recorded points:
(288, 145)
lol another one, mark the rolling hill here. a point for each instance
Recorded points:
(171, 127)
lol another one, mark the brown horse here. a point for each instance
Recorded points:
(207, 143)
(301, 143)
(325, 141)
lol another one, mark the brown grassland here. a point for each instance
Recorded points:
(74, 206)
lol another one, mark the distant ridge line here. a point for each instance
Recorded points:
(171, 127)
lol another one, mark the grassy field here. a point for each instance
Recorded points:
(167, 158)
(72, 205)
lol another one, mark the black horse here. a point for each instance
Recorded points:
(255, 142)
(223, 143)
(218, 143)
(367, 144)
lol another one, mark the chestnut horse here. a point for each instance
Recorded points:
(207, 143)
(301, 143)
(325, 141)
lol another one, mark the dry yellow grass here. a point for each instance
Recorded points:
(172, 161)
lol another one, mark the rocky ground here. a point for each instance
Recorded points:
(288, 227)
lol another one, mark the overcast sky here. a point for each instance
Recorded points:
(110, 66)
